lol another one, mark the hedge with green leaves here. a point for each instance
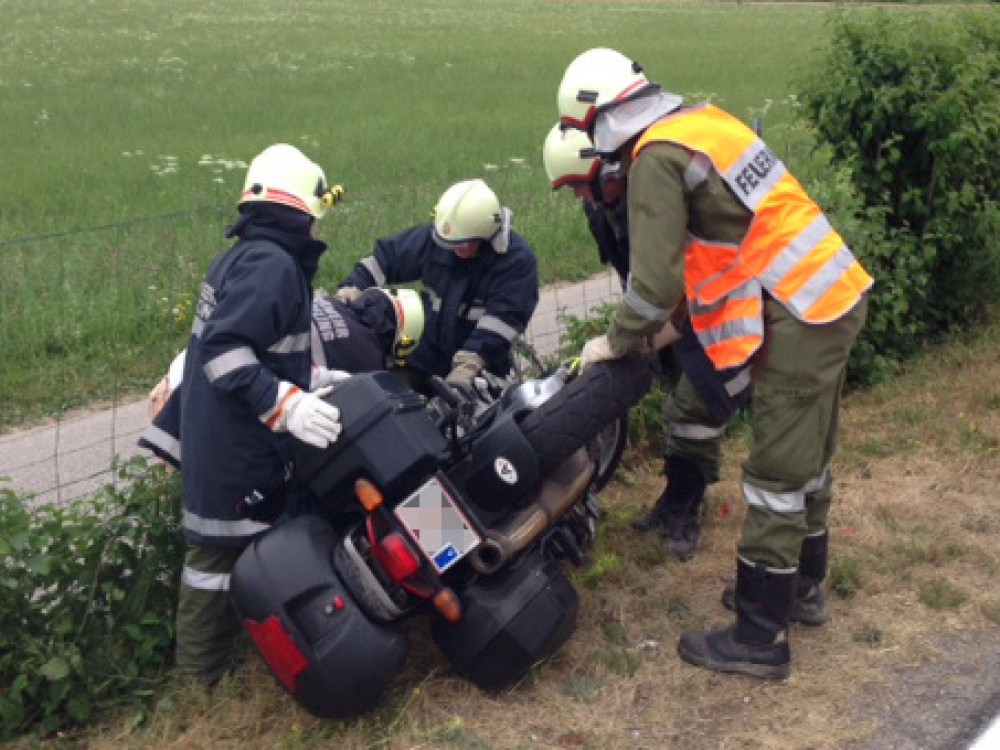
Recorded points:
(910, 105)
(87, 598)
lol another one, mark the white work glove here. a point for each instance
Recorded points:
(322, 377)
(465, 366)
(305, 415)
(348, 294)
(598, 349)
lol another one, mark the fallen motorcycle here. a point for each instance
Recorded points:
(445, 505)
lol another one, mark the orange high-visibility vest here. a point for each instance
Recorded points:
(790, 248)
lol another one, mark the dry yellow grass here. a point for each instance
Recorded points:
(915, 529)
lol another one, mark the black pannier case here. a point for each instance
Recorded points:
(511, 620)
(387, 436)
(325, 652)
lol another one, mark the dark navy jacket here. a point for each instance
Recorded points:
(477, 304)
(609, 226)
(251, 331)
(356, 338)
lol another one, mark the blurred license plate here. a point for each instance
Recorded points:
(434, 520)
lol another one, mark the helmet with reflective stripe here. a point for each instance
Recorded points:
(408, 308)
(596, 79)
(282, 174)
(569, 157)
(468, 210)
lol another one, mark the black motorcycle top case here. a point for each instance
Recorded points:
(511, 620)
(387, 436)
(326, 653)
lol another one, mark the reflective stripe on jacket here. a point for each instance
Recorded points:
(790, 249)
(251, 331)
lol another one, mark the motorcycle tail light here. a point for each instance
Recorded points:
(279, 650)
(395, 556)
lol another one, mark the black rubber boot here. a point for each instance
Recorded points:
(810, 599)
(677, 513)
(809, 607)
(757, 645)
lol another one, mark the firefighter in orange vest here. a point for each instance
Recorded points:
(716, 219)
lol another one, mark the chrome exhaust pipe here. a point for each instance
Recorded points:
(558, 493)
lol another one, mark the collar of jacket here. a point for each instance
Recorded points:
(286, 228)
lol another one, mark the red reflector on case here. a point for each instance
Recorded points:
(279, 650)
(395, 555)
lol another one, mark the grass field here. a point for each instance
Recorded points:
(127, 128)
(913, 596)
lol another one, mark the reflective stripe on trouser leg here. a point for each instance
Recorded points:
(798, 377)
(818, 506)
(691, 431)
(778, 522)
(207, 626)
(771, 537)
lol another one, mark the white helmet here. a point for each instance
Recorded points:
(468, 210)
(282, 174)
(569, 157)
(409, 310)
(595, 79)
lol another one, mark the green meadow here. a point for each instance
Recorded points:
(126, 128)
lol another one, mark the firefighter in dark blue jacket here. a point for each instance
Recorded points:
(247, 376)
(376, 332)
(480, 284)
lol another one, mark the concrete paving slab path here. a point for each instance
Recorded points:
(74, 455)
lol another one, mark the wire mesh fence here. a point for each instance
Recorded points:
(90, 318)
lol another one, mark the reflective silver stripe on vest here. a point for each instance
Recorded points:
(164, 441)
(810, 292)
(475, 313)
(197, 579)
(643, 308)
(731, 329)
(696, 431)
(372, 266)
(697, 171)
(797, 250)
(218, 527)
(197, 327)
(739, 383)
(229, 362)
(754, 174)
(497, 326)
(291, 344)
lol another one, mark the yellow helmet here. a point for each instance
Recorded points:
(282, 174)
(595, 79)
(569, 157)
(468, 210)
(409, 310)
